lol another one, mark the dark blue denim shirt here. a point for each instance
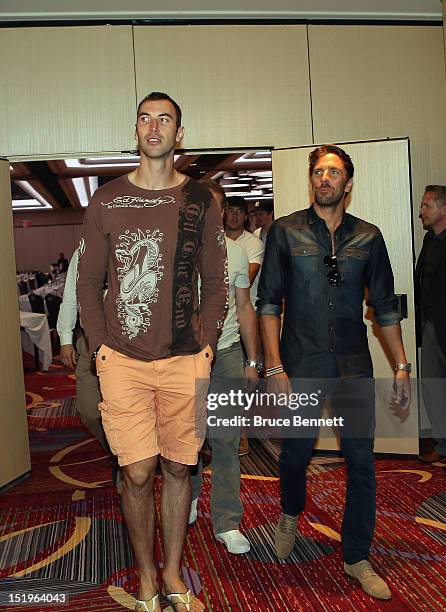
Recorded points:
(320, 319)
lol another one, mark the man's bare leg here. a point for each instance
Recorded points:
(138, 504)
(175, 506)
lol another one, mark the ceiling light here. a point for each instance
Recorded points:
(260, 197)
(94, 184)
(236, 185)
(257, 156)
(29, 189)
(253, 193)
(121, 161)
(81, 191)
(106, 162)
(262, 173)
(28, 205)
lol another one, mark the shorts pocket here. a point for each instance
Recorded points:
(202, 363)
(103, 357)
(109, 429)
(208, 353)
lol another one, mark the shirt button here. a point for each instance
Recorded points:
(103, 357)
(331, 350)
(330, 303)
(206, 355)
(330, 328)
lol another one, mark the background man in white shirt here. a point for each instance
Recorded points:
(235, 218)
(88, 394)
(229, 368)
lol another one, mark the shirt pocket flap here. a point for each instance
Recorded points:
(305, 249)
(357, 253)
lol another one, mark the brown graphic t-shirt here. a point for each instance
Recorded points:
(151, 246)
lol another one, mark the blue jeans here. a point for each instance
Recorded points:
(347, 395)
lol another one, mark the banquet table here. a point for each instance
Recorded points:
(34, 331)
(56, 287)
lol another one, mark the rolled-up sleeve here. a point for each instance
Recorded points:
(380, 284)
(270, 291)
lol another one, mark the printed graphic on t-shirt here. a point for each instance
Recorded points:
(127, 201)
(139, 276)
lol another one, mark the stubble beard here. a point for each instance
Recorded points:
(329, 201)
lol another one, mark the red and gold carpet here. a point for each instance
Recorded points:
(62, 529)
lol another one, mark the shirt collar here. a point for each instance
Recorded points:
(313, 217)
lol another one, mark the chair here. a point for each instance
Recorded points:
(41, 279)
(37, 304)
(23, 288)
(53, 303)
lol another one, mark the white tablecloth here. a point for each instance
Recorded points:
(36, 332)
(24, 304)
(56, 288)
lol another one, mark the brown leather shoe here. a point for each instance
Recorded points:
(243, 448)
(431, 457)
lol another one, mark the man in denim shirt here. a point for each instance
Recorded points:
(318, 263)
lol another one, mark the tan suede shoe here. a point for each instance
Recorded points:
(371, 583)
(285, 535)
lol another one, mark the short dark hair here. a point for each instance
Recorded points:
(238, 202)
(159, 95)
(319, 152)
(215, 187)
(440, 193)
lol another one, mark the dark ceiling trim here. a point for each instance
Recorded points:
(219, 22)
(50, 181)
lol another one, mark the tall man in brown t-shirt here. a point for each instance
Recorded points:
(151, 233)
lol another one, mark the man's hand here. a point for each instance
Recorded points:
(401, 395)
(252, 376)
(68, 356)
(279, 383)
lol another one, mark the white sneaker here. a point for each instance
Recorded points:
(234, 541)
(193, 511)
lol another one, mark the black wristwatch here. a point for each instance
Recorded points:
(95, 354)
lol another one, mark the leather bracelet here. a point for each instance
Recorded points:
(406, 367)
(275, 370)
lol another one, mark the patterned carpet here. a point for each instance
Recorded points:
(62, 529)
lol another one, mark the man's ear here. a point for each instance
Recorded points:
(348, 186)
(180, 134)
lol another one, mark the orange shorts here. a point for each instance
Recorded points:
(154, 407)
